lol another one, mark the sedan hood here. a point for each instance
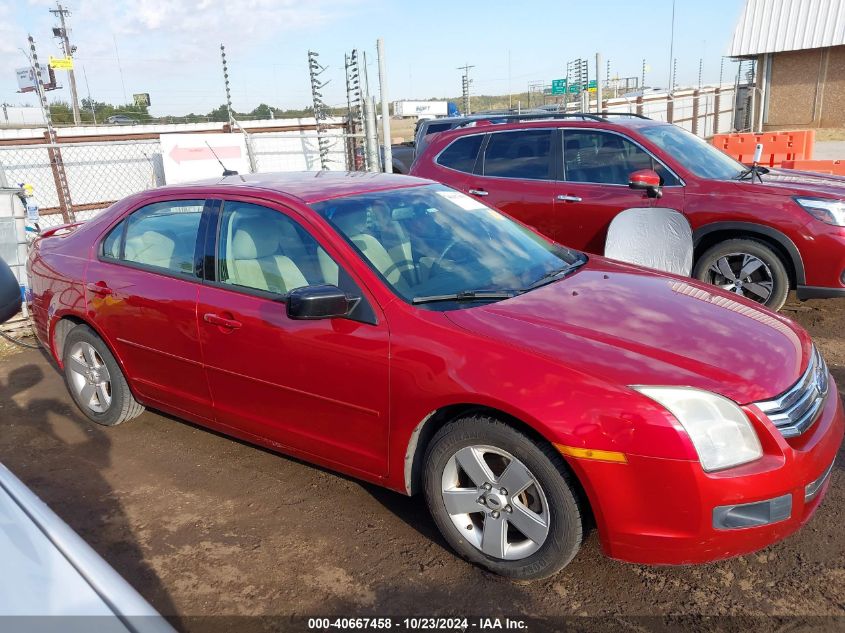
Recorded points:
(632, 326)
(797, 183)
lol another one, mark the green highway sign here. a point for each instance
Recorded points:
(558, 86)
(576, 88)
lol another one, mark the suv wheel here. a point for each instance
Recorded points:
(95, 381)
(745, 267)
(502, 500)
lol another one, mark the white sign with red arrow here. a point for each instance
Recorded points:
(188, 157)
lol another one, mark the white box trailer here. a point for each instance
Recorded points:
(420, 109)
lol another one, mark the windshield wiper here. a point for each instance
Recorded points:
(467, 295)
(554, 275)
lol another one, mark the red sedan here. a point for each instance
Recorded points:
(757, 234)
(404, 333)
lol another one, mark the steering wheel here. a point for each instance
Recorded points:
(438, 263)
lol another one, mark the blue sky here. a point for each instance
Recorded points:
(170, 48)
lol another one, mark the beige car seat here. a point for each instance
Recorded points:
(255, 261)
(353, 224)
(151, 248)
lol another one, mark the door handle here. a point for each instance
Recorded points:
(99, 288)
(563, 198)
(216, 319)
(479, 192)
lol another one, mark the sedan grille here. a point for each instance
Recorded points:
(795, 411)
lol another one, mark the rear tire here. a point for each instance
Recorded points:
(528, 532)
(746, 267)
(95, 381)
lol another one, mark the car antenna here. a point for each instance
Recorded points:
(226, 172)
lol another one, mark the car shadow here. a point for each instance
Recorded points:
(64, 464)
(411, 510)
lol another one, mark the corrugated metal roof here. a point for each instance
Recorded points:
(770, 26)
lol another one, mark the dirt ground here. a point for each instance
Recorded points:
(204, 525)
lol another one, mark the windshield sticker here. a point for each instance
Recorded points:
(462, 200)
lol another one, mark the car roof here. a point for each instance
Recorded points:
(596, 121)
(308, 186)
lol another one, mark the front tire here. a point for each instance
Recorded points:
(748, 268)
(502, 500)
(95, 381)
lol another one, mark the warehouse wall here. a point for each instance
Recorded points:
(807, 89)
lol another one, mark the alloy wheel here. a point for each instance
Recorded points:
(743, 274)
(496, 502)
(89, 377)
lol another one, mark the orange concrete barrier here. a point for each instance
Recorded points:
(835, 167)
(777, 146)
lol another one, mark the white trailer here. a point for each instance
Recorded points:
(420, 109)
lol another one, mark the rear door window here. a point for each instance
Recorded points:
(462, 153)
(162, 235)
(525, 154)
(601, 157)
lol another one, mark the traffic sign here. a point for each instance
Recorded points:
(61, 63)
(558, 86)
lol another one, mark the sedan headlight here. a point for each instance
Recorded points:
(719, 430)
(826, 210)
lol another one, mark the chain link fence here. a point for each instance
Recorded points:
(99, 173)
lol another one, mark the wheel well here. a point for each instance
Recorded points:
(711, 239)
(60, 332)
(441, 417)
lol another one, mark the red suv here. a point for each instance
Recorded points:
(757, 234)
(404, 333)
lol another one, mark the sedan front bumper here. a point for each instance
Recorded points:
(664, 511)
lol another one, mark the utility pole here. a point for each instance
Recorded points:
(315, 69)
(355, 101)
(598, 83)
(226, 84)
(674, 75)
(61, 33)
(465, 84)
(385, 109)
(90, 100)
(53, 151)
(672, 49)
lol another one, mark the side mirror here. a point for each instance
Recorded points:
(647, 180)
(319, 302)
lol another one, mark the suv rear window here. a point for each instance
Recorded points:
(521, 154)
(461, 154)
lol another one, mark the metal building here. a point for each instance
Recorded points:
(799, 46)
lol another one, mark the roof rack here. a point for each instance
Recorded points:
(631, 114)
(517, 118)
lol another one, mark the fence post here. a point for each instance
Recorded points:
(670, 108)
(695, 111)
(60, 179)
(717, 109)
(640, 105)
(371, 134)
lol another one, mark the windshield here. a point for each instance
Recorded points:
(696, 154)
(431, 242)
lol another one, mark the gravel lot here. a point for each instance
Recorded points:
(204, 525)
